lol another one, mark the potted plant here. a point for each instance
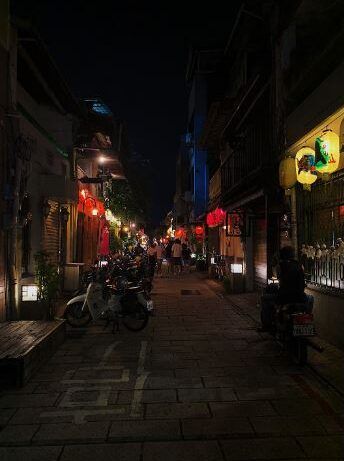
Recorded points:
(48, 281)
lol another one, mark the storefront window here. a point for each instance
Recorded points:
(321, 232)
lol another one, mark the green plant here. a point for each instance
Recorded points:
(116, 243)
(121, 200)
(48, 281)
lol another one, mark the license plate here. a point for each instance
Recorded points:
(303, 330)
(149, 305)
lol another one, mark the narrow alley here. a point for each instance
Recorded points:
(199, 383)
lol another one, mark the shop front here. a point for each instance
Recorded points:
(318, 215)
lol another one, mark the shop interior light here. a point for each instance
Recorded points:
(212, 260)
(95, 212)
(273, 281)
(29, 292)
(125, 229)
(236, 268)
(101, 159)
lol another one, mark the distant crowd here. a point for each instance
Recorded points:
(170, 259)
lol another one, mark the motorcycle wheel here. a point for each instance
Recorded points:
(75, 317)
(136, 319)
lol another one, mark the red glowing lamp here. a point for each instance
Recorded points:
(199, 230)
(216, 218)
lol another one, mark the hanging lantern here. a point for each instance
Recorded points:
(287, 174)
(327, 152)
(216, 218)
(199, 230)
(305, 167)
(180, 233)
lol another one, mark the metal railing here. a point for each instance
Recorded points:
(326, 272)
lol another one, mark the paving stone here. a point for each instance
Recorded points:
(17, 435)
(149, 396)
(200, 372)
(145, 430)
(173, 383)
(333, 424)
(28, 400)
(65, 433)
(106, 452)
(30, 453)
(262, 449)
(277, 425)
(219, 381)
(182, 451)
(36, 416)
(206, 395)
(290, 407)
(216, 428)
(5, 415)
(323, 447)
(240, 409)
(267, 393)
(176, 410)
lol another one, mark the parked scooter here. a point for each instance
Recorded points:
(104, 302)
(293, 327)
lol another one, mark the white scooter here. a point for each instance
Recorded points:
(100, 302)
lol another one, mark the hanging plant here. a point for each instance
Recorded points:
(121, 201)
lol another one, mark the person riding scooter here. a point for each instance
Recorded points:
(291, 277)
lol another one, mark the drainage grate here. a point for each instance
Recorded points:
(189, 292)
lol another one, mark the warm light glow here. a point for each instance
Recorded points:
(125, 229)
(236, 268)
(273, 281)
(84, 193)
(29, 292)
(327, 152)
(95, 212)
(287, 174)
(133, 224)
(101, 159)
(305, 166)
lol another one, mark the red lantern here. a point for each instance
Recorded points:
(216, 218)
(199, 230)
(180, 233)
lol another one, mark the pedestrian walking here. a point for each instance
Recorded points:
(177, 257)
(168, 256)
(186, 255)
(160, 251)
(152, 258)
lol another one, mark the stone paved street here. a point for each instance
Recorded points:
(198, 384)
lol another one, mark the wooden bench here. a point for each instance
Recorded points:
(25, 346)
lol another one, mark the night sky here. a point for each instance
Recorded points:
(133, 55)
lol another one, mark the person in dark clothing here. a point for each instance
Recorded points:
(291, 288)
(168, 255)
(186, 255)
